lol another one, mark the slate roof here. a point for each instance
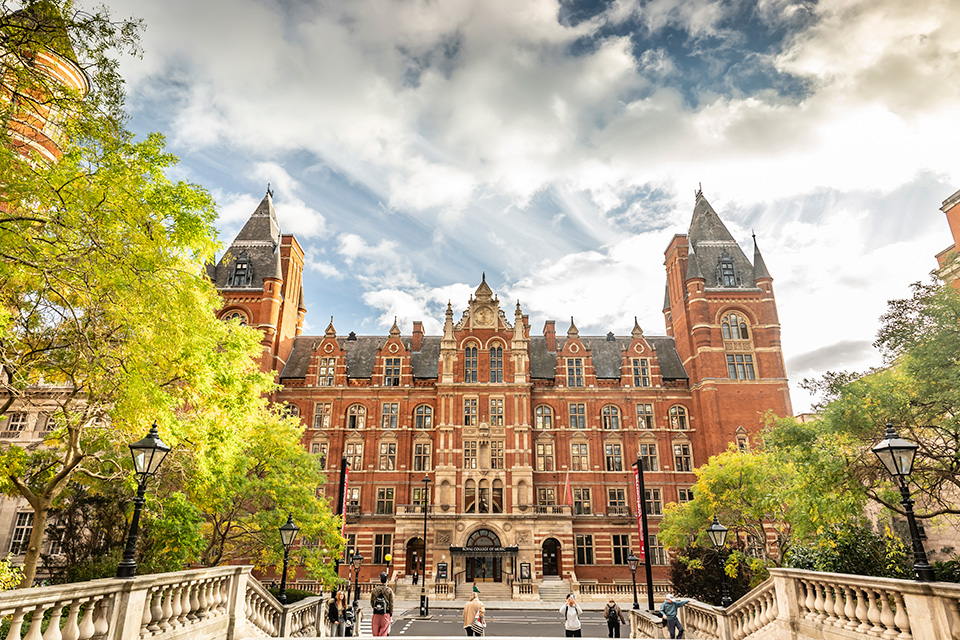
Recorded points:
(361, 356)
(709, 238)
(259, 240)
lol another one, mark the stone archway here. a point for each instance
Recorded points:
(551, 557)
(414, 556)
(480, 567)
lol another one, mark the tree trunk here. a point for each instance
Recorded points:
(36, 540)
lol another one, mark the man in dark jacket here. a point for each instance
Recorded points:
(614, 617)
(381, 600)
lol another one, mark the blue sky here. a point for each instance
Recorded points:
(556, 146)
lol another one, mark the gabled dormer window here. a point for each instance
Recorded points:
(727, 275)
(242, 273)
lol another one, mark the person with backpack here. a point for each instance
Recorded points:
(571, 617)
(381, 600)
(614, 618)
(669, 609)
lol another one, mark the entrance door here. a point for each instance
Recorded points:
(414, 555)
(481, 568)
(551, 558)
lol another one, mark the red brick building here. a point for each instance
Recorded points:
(949, 267)
(510, 426)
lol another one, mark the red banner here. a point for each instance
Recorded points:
(636, 481)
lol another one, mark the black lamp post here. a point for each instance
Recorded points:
(718, 535)
(424, 601)
(147, 456)
(642, 506)
(288, 533)
(356, 561)
(634, 561)
(897, 455)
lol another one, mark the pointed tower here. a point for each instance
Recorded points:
(260, 279)
(721, 311)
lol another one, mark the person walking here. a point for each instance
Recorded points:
(571, 617)
(381, 599)
(337, 614)
(669, 610)
(416, 577)
(473, 612)
(614, 618)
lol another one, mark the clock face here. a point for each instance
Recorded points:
(484, 316)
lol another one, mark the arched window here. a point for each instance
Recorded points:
(543, 417)
(356, 416)
(290, 410)
(242, 275)
(483, 497)
(470, 363)
(239, 316)
(469, 496)
(496, 363)
(734, 327)
(497, 496)
(611, 417)
(423, 417)
(678, 417)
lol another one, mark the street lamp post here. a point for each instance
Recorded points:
(288, 533)
(897, 455)
(642, 507)
(147, 456)
(357, 561)
(718, 535)
(634, 561)
(424, 601)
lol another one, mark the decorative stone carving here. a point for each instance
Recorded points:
(444, 537)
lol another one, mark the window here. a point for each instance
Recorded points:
(496, 411)
(574, 372)
(389, 415)
(350, 547)
(681, 456)
(652, 502)
(656, 552)
(621, 548)
(384, 500)
(353, 452)
(546, 497)
(544, 456)
(645, 416)
(391, 372)
(21, 533)
(641, 372)
(470, 496)
(740, 366)
(356, 416)
(321, 415)
(743, 443)
(734, 327)
(388, 456)
(325, 374)
(543, 417)
(423, 417)
(617, 501)
(381, 547)
(614, 457)
(291, 410)
(497, 496)
(611, 417)
(581, 501)
(496, 454)
(496, 364)
(753, 547)
(242, 275)
(678, 417)
(353, 500)
(578, 457)
(470, 412)
(421, 457)
(727, 275)
(648, 457)
(421, 496)
(470, 363)
(319, 449)
(685, 494)
(14, 424)
(578, 416)
(584, 548)
(469, 454)
(239, 316)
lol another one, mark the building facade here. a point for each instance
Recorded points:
(946, 259)
(520, 444)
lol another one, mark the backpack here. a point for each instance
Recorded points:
(612, 614)
(380, 604)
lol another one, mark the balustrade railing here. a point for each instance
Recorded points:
(552, 509)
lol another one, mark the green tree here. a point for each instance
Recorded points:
(855, 549)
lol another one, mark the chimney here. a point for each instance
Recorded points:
(417, 335)
(526, 326)
(550, 333)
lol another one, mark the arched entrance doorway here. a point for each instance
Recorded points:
(551, 557)
(414, 555)
(481, 568)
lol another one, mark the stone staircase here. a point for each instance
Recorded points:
(489, 591)
(554, 589)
